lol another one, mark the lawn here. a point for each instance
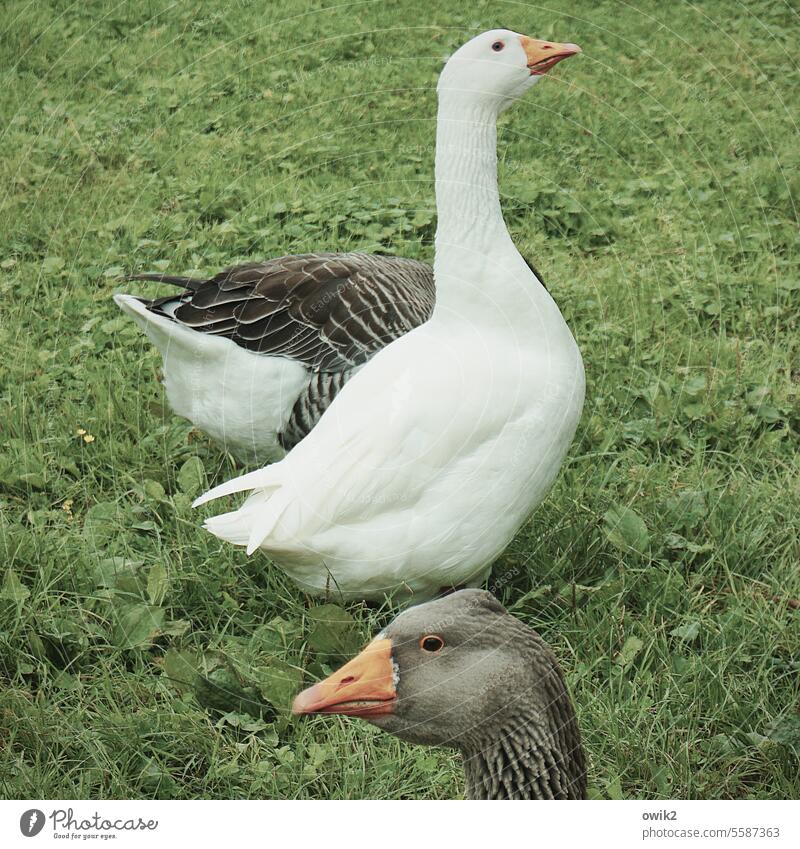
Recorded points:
(653, 181)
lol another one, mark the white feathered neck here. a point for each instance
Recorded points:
(478, 271)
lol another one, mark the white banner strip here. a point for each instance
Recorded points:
(401, 825)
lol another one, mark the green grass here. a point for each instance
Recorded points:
(653, 181)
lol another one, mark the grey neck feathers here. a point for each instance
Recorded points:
(524, 762)
(532, 751)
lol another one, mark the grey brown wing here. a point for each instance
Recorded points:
(331, 312)
(384, 299)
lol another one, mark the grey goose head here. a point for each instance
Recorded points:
(464, 673)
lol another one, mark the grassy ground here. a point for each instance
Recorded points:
(653, 181)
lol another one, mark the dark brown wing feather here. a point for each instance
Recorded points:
(331, 312)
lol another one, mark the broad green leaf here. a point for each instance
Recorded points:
(687, 508)
(157, 583)
(275, 636)
(676, 542)
(769, 414)
(785, 730)
(154, 490)
(137, 625)
(102, 522)
(114, 326)
(181, 668)
(222, 691)
(66, 681)
(661, 778)
(627, 654)
(182, 503)
(694, 385)
(52, 264)
(244, 722)
(13, 588)
(192, 477)
(756, 397)
(626, 530)
(176, 628)
(32, 480)
(333, 631)
(37, 646)
(121, 575)
(157, 779)
(614, 788)
(279, 683)
(687, 632)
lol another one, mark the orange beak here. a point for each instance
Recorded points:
(543, 55)
(364, 686)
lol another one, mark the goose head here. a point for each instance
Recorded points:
(497, 67)
(461, 672)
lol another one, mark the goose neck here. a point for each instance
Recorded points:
(524, 762)
(532, 748)
(479, 273)
(467, 196)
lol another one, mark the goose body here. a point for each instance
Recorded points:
(428, 461)
(461, 672)
(254, 355)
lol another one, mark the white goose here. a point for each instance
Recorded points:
(430, 459)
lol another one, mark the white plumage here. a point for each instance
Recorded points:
(431, 457)
(241, 399)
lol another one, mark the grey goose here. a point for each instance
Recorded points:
(462, 672)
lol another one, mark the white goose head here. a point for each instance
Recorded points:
(496, 67)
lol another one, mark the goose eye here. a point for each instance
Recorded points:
(498, 46)
(431, 643)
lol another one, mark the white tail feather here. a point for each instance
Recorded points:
(258, 479)
(170, 337)
(268, 515)
(249, 525)
(231, 527)
(160, 329)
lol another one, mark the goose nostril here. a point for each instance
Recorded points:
(348, 680)
(547, 47)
